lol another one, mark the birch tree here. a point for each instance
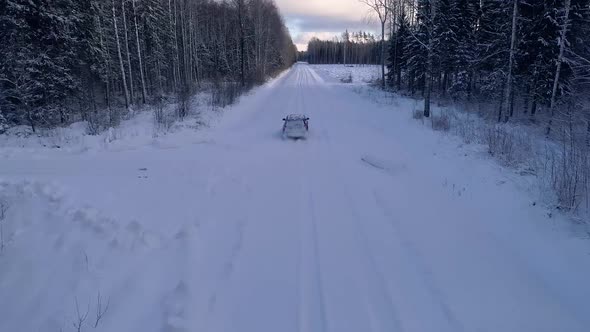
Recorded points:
(143, 91)
(506, 104)
(122, 67)
(562, 46)
(61, 58)
(131, 90)
(380, 8)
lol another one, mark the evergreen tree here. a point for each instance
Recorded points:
(493, 43)
(392, 58)
(397, 57)
(538, 49)
(445, 41)
(463, 19)
(66, 60)
(417, 47)
(38, 57)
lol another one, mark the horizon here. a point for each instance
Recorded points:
(324, 19)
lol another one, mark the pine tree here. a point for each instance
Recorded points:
(538, 50)
(38, 57)
(397, 57)
(418, 48)
(463, 19)
(155, 32)
(392, 58)
(445, 41)
(493, 43)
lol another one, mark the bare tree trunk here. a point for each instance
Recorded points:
(120, 56)
(107, 66)
(31, 118)
(189, 47)
(381, 9)
(562, 43)
(176, 47)
(395, 61)
(345, 44)
(173, 35)
(508, 90)
(428, 79)
(429, 61)
(128, 53)
(143, 92)
(240, 4)
(383, 54)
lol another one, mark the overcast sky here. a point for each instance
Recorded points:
(323, 18)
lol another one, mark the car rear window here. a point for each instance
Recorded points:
(295, 124)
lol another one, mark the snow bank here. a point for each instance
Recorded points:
(139, 130)
(63, 265)
(537, 163)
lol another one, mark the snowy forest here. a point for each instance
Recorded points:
(526, 56)
(357, 47)
(63, 61)
(523, 66)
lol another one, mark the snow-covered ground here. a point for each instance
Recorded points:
(139, 130)
(357, 74)
(374, 223)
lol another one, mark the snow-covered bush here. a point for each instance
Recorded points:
(501, 143)
(347, 79)
(418, 114)
(3, 215)
(225, 93)
(468, 128)
(441, 122)
(560, 165)
(3, 124)
(566, 170)
(163, 120)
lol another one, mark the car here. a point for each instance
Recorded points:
(295, 126)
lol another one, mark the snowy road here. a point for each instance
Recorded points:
(372, 224)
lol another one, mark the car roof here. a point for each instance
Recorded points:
(295, 117)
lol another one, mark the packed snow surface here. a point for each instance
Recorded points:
(374, 223)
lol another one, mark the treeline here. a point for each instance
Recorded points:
(66, 60)
(526, 57)
(521, 62)
(523, 55)
(352, 48)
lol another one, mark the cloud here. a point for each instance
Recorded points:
(349, 9)
(324, 19)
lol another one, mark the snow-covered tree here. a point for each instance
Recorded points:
(37, 59)
(61, 59)
(493, 43)
(380, 9)
(464, 17)
(397, 56)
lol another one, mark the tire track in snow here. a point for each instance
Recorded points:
(390, 320)
(372, 266)
(417, 260)
(323, 322)
(380, 308)
(379, 301)
(312, 307)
